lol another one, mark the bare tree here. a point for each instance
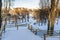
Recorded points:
(7, 4)
(44, 3)
(52, 11)
(52, 15)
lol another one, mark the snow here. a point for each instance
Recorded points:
(11, 32)
(43, 27)
(57, 26)
(53, 38)
(22, 34)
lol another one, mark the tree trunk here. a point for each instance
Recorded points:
(5, 22)
(28, 17)
(54, 5)
(0, 13)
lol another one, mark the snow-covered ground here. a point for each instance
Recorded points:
(21, 34)
(11, 33)
(44, 27)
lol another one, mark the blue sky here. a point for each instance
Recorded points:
(26, 3)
